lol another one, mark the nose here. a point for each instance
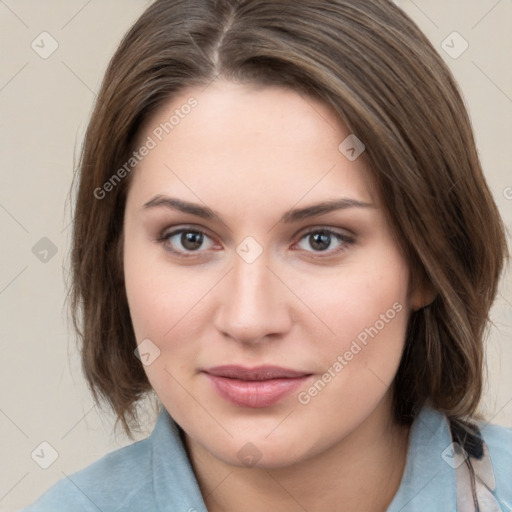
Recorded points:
(253, 303)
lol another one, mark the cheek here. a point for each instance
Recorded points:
(160, 294)
(164, 304)
(367, 313)
(169, 305)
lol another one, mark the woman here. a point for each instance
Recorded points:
(283, 231)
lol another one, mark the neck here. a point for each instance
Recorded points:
(360, 473)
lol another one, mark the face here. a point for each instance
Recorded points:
(262, 274)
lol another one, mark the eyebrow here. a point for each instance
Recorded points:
(293, 215)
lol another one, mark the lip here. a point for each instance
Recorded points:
(256, 387)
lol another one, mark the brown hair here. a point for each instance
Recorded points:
(380, 74)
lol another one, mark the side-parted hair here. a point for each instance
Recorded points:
(372, 65)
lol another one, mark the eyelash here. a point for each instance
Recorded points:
(345, 241)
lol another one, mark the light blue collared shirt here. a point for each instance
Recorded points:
(156, 475)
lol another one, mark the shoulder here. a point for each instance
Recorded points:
(121, 477)
(153, 474)
(499, 443)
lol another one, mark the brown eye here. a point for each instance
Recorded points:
(191, 240)
(320, 241)
(324, 241)
(184, 241)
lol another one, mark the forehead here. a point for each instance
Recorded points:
(247, 146)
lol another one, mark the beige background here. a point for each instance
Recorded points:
(44, 107)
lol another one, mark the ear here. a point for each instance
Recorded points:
(422, 293)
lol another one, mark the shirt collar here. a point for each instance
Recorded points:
(174, 482)
(428, 481)
(427, 477)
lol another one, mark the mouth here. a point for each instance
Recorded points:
(257, 387)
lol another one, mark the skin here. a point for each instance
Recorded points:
(251, 154)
